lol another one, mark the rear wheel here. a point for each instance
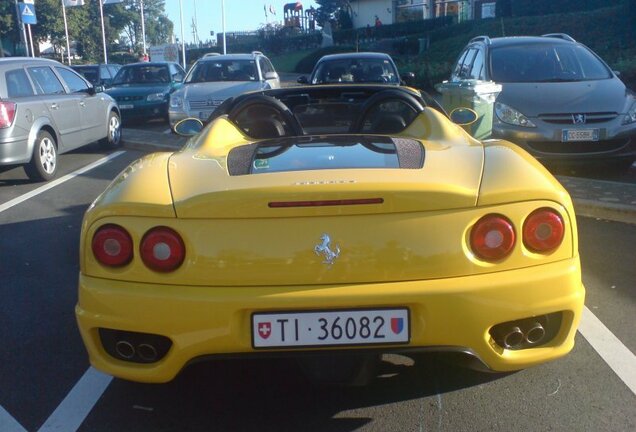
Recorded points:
(43, 165)
(113, 138)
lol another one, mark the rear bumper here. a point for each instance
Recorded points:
(453, 313)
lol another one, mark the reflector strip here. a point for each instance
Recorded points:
(323, 203)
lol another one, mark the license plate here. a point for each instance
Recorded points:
(580, 135)
(124, 106)
(330, 328)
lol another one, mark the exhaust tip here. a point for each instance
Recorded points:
(513, 338)
(535, 333)
(125, 349)
(147, 352)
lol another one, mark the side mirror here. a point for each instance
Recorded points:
(271, 76)
(463, 116)
(188, 127)
(91, 90)
(408, 78)
(302, 80)
(617, 73)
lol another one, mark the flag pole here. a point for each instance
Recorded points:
(68, 45)
(101, 14)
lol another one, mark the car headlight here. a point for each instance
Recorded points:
(176, 102)
(511, 116)
(154, 97)
(630, 117)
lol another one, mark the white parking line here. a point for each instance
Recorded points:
(56, 182)
(8, 423)
(76, 406)
(612, 351)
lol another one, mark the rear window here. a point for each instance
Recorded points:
(546, 63)
(323, 153)
(18, 84)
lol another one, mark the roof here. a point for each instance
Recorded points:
(355, 55)
(21, 60)
(526, 40)
(249, 56)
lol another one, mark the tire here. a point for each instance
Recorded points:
(113, 137)
(43, 165)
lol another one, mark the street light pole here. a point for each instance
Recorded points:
(143, 27)
(223, 18)
(101, 14)
(182, 39)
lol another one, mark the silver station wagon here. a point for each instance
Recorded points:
(47, 109)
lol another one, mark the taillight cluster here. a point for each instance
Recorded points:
(161, 249)
(7, 114)
(493, 237)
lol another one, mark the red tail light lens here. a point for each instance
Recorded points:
(543, 230)
(7, 114)
(492, 238)
(162, 249)
(112, 246)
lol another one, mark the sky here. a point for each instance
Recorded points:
(240, 15)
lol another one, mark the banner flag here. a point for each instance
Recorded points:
(112, 1)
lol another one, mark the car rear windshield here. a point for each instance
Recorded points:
(546, 63)
(143, 74)
(223, 70)
(320, 153)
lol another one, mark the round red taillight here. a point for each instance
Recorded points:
(162, 249)
(492, 237)
(112, 246)
(543, 230)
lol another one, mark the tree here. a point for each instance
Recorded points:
(329, 10)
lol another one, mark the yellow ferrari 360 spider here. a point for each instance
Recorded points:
(339, 220)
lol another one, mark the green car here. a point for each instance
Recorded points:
(142, 90)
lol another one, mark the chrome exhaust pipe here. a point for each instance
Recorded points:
(147, 352)
(535, 333)
(125, 349)
(513, 338)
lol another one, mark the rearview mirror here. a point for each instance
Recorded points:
(463, 116)
(188, 127)
(408, 78)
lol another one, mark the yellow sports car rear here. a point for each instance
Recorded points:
(258, 239)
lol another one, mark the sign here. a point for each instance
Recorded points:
(71, 3)
(28, 1)
(167, 52)
(27, 13)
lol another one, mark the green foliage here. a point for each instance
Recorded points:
(328, 10)
(306, 65)
(547, 7)
(503, 8)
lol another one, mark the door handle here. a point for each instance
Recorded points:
(82, 103)
(54, 106)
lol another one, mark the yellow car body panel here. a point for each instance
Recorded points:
(243, 256)
(202, 321)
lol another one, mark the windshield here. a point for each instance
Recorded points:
(359, 70)
(546, 63)
(143, 74)
(223, 70)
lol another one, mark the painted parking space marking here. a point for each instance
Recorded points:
(76, 406)
(610, 348)
(8, 423)
(53, 183)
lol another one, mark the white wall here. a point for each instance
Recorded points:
(364, 12)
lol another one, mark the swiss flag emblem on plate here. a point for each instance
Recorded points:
(264, 329)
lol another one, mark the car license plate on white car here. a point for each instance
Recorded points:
(336, 327)
(580, 135)
(126, 106)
